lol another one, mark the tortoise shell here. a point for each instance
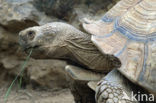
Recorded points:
(128, 31)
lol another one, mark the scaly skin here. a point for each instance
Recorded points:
(63, 41)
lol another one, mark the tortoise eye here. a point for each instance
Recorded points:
(31, 34)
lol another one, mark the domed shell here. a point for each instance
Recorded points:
(128, 31)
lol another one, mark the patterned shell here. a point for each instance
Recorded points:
(128, 31)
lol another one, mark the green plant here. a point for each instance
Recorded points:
(20, 73)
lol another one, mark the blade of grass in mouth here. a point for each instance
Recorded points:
(20, 73)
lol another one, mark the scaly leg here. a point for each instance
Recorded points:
(79, 77)
(114, 88)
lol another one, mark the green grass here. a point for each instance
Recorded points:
(20, 73)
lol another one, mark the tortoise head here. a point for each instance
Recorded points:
(28, 38)
(43, 39)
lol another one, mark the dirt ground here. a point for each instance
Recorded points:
(37, 96)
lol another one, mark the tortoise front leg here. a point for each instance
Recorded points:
(115, 88)
(81, 92)
(79, 77)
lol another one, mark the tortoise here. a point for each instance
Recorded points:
(59, 40)
(127, 31)
(121, 44)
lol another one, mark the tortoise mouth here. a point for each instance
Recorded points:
(39, 52)
(27, 49)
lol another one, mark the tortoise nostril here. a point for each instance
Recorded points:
(22, 40)
(21, 37)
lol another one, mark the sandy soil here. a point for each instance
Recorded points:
(37, 96)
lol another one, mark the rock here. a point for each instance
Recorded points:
(16, 16)
(73, 11)
(90, 9)
(58, 8)
(48, 73)
(8, 42)
(10, 63)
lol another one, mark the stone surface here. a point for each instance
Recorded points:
(44, 73)
(16, 16)
(48, 73)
